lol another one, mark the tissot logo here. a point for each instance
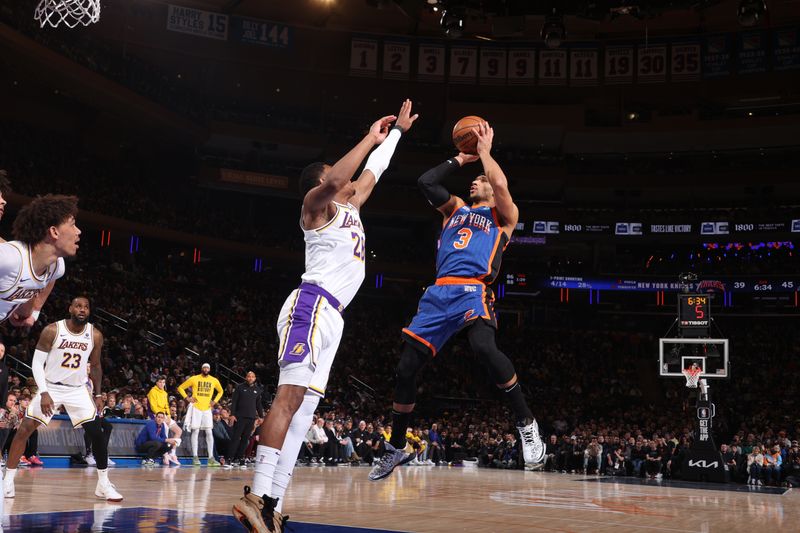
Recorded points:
(701, 463)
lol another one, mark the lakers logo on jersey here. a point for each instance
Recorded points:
(299, 349)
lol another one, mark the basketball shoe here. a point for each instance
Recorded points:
(392, 458)
(106, 490)
(532, 445)
(8, 487)
(257, 514)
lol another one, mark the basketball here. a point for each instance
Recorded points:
(464, 134)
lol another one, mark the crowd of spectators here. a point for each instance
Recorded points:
(580, 385)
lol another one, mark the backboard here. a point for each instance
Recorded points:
(711, 355)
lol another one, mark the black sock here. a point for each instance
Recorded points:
(522, 413)
(400, 422)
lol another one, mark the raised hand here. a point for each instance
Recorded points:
(380, 128)
(485, 135)
(404, 118)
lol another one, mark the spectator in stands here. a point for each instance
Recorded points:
(222, 438)
(152, 440)
(550, 454)
(362, 441)
(317, 438)
(772, 465)
(565, 450)
(653, 460)
(593, 456)
(755, 466)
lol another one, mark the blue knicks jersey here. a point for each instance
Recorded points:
(471, 244)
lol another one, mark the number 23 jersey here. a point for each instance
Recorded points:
(471, 244)
(67, 361)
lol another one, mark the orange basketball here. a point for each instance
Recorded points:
(464, 134)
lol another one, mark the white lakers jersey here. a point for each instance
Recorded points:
(18, 282)
(68, 360)
(335, 254)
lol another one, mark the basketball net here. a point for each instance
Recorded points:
(67, 12)
(692, 376)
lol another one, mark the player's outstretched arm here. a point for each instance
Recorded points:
(96, 369)
(507, 210)
(380, 158)
(431, 186)
(318, 198)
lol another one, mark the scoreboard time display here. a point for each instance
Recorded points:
(694, 311)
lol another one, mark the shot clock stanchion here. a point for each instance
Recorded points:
(689, 350)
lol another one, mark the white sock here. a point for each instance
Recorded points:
(266, 461)
(10, 473)
(210, 443)
(195, 436)
(102, 476)
(298, 428)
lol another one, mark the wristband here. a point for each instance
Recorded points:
(98, 395)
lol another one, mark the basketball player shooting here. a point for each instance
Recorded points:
(65, 352)
(310, 323)
(471, 246)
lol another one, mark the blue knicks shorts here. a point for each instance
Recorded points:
(447, 307)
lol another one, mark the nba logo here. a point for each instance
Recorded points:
(703, 413)
(299, 349)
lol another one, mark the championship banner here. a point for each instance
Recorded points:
(396, 60)
(430, 62)
(717, 56)
(493, 66)
(652, 64)
(197, 22)
(552, 67)
(685, 61)
(786, 49)
(618, 68)
(752, 56)
(583, 67)
(463, 64)
(363, 57)
(521, 66)
(262, 32)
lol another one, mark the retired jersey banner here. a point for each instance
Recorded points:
(463, 64)
(752, 56)
(262, 32)
(552, 67)
(685, 61)
(618, 65)
(492, 70)
(717, 56)
(652, 64)
(430, 62)
(197, 22)
(363, 57)
(521, 66)
(396, 60)
(786, 49)
(583, 67)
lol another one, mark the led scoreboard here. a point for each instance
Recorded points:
(694, 311)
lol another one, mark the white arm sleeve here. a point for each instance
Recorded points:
(379, 159)
(37, 365)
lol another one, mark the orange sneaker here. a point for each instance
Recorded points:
(23, 461)
(35, 461)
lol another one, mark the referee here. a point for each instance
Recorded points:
(246, 406)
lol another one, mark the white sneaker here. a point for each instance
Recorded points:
(8, 489)
(107, 491)
(532, 445)
(90, 460)
(110, 462)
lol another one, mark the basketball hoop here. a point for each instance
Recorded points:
(692, 375)
(67, 12)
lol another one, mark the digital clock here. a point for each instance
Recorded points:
(694, 311)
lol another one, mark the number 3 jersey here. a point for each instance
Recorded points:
(67, 361)
(335, 254)
(471, 244)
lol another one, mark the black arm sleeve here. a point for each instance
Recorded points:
(431, 186)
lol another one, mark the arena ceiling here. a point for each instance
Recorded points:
(510, 19)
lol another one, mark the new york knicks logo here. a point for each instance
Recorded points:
(299, 349)
(468, 315)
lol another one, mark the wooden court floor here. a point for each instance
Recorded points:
(420, 499)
